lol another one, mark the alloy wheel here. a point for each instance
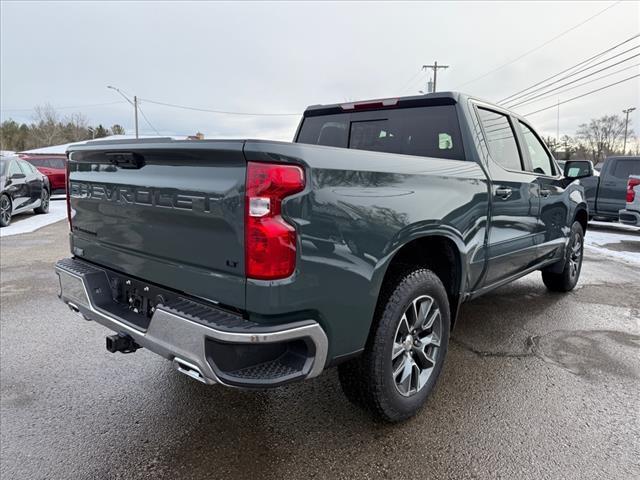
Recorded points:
(44, 201)
(5, 210)
(575, 256)
(416, 344)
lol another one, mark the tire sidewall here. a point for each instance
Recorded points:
(424, 282)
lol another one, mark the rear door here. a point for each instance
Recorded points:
(167, 212)
(613, 183)
(17, 186)
(515, 200)
(553, 226)
(34, 181)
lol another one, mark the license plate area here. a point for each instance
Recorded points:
(135, 301)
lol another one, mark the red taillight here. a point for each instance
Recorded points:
(631, 194)
(270, 242)
(387, 102)
(68, 186)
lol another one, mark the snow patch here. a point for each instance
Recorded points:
(28, 222)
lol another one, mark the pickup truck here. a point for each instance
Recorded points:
(606, 191)
(253, 263)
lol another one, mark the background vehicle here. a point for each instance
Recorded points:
(256, 263)
(54, 167)
(22, 188)
(606, 192)
(631, 214)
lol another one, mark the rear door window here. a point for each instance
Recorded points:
(626, 167)
(422, 131)
(500, 138)
(540, 159)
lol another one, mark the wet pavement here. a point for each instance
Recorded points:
(536, 385)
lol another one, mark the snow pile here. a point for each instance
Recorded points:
(614, 240)
(28, 222)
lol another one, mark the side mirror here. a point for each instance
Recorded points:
(18, 176)
(574, 169)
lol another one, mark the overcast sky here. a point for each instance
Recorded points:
(280, 57)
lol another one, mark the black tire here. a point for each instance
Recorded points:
(369, 381)
(5, 210)
(44, 205)
(566, 280)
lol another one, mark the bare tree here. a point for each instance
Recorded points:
(602, 136)
(76, 127)
(46, 128)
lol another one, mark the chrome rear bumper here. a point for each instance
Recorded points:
(195, 345)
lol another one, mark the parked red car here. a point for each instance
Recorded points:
(54, 167)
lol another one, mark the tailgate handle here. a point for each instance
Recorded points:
(126, 159)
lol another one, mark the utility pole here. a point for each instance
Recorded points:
(134, 104)
(435, 68)
(626, 124)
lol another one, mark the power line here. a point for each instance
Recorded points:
(528, 52)
(410, 82)
(62, 108)
(579, 71)
(555, 105)
(198, 109)
(147, 120)
(527, 100)
(571, 68)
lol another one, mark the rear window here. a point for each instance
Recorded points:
(626, 167)
(47, 162)
(423, 131)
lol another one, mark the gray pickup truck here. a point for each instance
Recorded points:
(606, 190)
(255, 263)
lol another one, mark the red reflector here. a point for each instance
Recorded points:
(270, 242)
(631, 193)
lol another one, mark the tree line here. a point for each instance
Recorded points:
(596, 140)
(49, 128)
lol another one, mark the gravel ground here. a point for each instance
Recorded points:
(536, 385)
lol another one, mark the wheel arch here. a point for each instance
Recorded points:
(438, 250)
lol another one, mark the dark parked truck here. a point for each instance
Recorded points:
(257, 263)
(606, 191)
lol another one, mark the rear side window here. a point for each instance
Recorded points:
(500, 138)
(422, 131)
(626, 167)
(540, 159)
(57, 163)
(39, 162)
(14, 168)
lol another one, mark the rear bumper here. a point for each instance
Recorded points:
(629, 217)
(209, 344)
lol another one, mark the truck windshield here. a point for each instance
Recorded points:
(423, 131)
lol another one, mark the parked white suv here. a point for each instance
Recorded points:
(631, 214)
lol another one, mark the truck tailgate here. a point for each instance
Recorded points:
(167, 212)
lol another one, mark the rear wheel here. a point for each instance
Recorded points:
(44, 202)
(405, 352)
(567, 279)
(5, 211)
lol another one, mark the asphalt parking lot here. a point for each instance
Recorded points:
(536, 385)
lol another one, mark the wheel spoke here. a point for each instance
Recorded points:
(398, 349)
(425, 360)
(432, 319)
(405, 376)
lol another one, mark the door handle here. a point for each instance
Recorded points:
(503, 192)
(545, 193)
